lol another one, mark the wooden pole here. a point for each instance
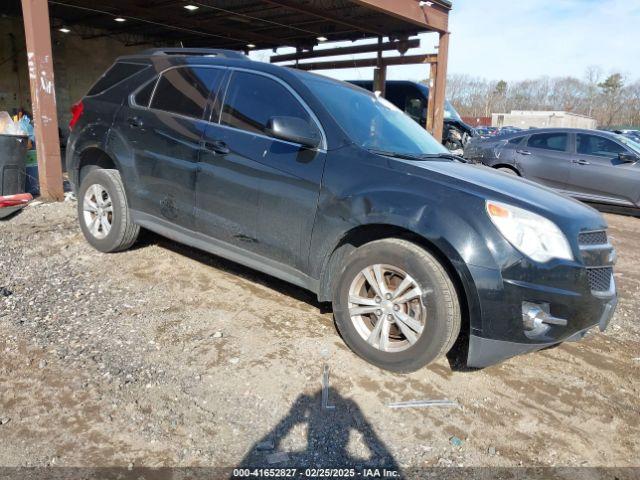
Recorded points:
(431, 110)
(380, 73)
(441, 86)
(43, 97)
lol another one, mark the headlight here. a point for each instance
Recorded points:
(535, 236)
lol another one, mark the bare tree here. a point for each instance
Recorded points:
(607, 99)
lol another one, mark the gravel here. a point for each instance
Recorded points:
(166, 356)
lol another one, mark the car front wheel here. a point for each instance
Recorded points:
(396, 306)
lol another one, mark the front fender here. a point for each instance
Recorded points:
(454, 224)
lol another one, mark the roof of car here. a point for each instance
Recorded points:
(524, 133)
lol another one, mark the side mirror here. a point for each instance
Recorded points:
(627, 157)
(295, 130)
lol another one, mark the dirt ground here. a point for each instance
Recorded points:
(166, 356)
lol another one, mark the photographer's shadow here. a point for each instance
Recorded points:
(328, 433)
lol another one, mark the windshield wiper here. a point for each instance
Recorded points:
(449, 156)
(418, 156)
(406, 156)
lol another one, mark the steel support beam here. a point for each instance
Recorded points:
(431, 17)
(366, 62)
(441, 86)
(43, 97)
(401, 46)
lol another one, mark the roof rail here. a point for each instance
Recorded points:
(205, 52)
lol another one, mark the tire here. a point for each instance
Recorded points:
(437, 308)
(508, 170)
(99, 189)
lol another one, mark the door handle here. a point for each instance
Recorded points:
(218, 147)
(135, 122)
(581, 162)
(523, 152)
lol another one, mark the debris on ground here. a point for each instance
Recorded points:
(278, 457)
(456, 442)
(265, 446)
(424, 403)
(325, 389)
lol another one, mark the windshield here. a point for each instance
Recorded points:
(450, 113)
(371, 121)
(633, 145)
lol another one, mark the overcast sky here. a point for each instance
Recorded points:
(519, 39)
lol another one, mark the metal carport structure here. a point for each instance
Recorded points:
(234, 24)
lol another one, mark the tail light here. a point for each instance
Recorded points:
(76, 112)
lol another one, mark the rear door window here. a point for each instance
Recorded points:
(516, 140)
(599, 146)
(556, 142)
(185, 90)
(117, 73)
(253, 99)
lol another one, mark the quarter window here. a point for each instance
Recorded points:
(144, 96)
(252, 100)
(185, 90)
(116, 74)
(549, 141)
(595, 145)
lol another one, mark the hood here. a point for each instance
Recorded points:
(490, 184)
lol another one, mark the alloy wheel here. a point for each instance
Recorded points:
(387, 308)
(97, 211)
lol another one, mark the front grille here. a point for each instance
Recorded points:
(593, 238)
(600, 278)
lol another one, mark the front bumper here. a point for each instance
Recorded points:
(568, 290)
(484, 352)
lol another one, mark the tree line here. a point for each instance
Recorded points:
(612, 100)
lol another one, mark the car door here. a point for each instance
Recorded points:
(598, 174)
(545, 158)
(164, 127)
(255, 191)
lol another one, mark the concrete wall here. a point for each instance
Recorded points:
(524, 119)
(77, 65)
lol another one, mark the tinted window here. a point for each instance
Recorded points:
(515, 141)
(253, 99)
(117, 73)
(415, 108)
(594, 145)
(549, 141)
(185, 90)
(144, 95)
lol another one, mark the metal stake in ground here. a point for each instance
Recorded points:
(325, 389)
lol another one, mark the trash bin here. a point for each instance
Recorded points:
(13, 152)
(32, 183)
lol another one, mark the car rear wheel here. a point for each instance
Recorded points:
(103, 212)
(396, 306)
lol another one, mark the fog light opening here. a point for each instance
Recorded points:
(537, 319)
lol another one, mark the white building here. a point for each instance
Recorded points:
(528, 119)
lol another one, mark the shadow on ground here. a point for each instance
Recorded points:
(332, 437)
(148, 238)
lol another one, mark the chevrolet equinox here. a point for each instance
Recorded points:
(332, 188)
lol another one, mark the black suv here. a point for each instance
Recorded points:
(329, 187)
